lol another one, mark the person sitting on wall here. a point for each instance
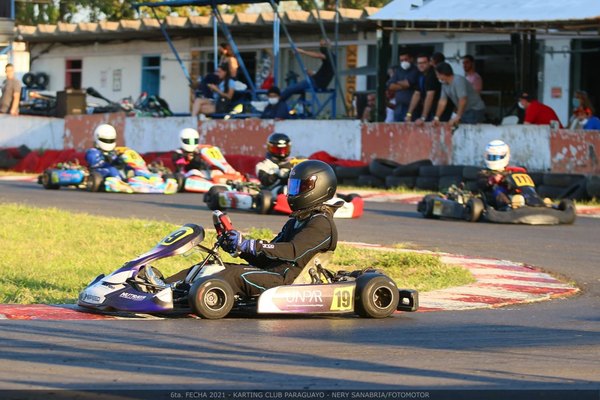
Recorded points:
(277, 108)
(536, 113)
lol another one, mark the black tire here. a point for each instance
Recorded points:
(211, 198)
(429, 171)
(562, 180)
(264, 202)
(447, 181)
(451, 170)
(370, 181)
(470, 173)
(47, 181)
(350, 172)
(42, 79)
(180, 181)
(537, 177)
(428, 183)
(411, 169)
(94, 182)
(474, 209)
(401, 181)
(381, 168)
(211, 298)
(592, 186)
(376, 296)
(576, 191)
(552, 192)
(347, 197)
(425, 206)
(28, 79)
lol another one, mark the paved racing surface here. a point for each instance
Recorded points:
(549, 345)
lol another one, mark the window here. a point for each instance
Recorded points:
(73, 74)
(151, 75)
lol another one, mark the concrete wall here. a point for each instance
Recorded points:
(536, 147)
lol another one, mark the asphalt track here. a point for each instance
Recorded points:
(550, 345)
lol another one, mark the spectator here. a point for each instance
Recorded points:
(470, 109)
(11, 92)
(222, 94)
(368, 114)
(581, 103)
(202, 91)
(403, 83)
(428, 92)
(536, 113)
(320, 79)
(438, 58)
(228, 58)
(585, 119)
(276, 109)
(472, 76)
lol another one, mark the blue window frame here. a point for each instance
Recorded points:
(151, 75)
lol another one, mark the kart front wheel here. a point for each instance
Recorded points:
(94, 182)
(47, 181)
(211, 198)
(473, 210)
(376, 296)
(264, 202)
(211, 298)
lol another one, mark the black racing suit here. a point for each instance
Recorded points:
(184, 161)
(281, 261)
(272, 172)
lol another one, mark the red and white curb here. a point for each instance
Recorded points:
(498, 283)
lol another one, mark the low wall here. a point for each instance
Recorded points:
(536, 147)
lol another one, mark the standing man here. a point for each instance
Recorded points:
(11, 92)
(403, 83)
(536, 113)
(472, 76)
(470, 109)
(428, 92)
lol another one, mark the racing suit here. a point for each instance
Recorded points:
(273, 172)
(497, 188)
(105, 163)
(185, 162)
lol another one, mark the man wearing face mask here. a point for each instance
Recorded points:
(470, 109)
(403, 83)
(320, 79)
(536, 113)
(277, 108)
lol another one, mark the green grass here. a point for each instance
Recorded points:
(49, 255)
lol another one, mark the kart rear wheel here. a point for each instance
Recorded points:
(425, 206)
(211, 198)
(264, 202)
(376, 296)
(180, 178)
(211, 298)
(94, 182)
(473, 210)
(47, 181)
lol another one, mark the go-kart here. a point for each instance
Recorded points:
(253, 197)
(135, 288)
(218, 172)
(526, 206)
(64, 174)
(136, 177)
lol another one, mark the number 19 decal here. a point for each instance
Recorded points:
(175, 236)
(343, 299)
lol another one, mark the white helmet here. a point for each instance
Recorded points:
(105, 137)
(497, 155)
(189, 139)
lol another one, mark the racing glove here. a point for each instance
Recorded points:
(235, 243)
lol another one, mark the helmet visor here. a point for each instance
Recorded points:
(278, 151)
(107, 141)
(193, 141)
(297, 186)
(495, 157)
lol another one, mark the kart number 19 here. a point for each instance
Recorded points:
(175, 236)
(343, 299)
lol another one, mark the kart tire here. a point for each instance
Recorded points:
(41, 80)
(376, 296)
(473, 210)
(447, 181)
(427, 183)
(425, 206)
(562, 180)
(451, 170)
(470, 172)
(47, 181)
(264, 202)
(432, 171)
(348, 197)
(592, 186)
(350, 172)
(401, 181)
(552, 192)
(370, 181)
(180, 178)
(381, 168)
(211, 298)
(94, 182)
(211, 198)
(411, 169)
(576, 192)
(28, 79)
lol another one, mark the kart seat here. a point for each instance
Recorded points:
(319, 261)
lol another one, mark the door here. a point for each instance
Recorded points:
(151, 75)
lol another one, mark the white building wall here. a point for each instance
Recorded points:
(556, 73)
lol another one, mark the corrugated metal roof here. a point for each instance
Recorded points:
(109, 29)
(489, 10)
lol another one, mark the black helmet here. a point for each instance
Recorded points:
(311, 183)
(279, 146)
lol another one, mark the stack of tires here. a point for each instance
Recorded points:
(562, 186)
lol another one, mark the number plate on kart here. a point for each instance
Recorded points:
(437, 207)
(522, 180)
(308, 299)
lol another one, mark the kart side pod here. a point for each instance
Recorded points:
(409, 300)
